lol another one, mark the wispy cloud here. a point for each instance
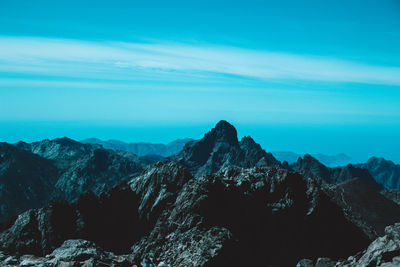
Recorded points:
(115, 60)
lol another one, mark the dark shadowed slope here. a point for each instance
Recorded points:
(220, 148)
(363, 204)
(26, 180)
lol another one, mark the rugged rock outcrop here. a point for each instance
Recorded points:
(74, 252)
(249, 217)
(220, 148)
(26, 181)
(158, 187)
(383, 252)
(363, 204)
(312, 168)
(384, 171)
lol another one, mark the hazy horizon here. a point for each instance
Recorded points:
(303, 76)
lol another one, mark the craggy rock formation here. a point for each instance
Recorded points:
(384, 171)
(383, 252)
(363, 204)
(26, 181)
(312, 168)
(249, 217)
(220, 148)
(75, 252)
(157, 187)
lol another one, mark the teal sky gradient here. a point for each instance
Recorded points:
(304, 76)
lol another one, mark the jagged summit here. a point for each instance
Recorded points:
(220, 148)
(223, 132)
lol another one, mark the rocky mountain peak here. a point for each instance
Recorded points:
(220, 148)
(223, 132)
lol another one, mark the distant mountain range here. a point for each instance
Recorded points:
(340, 159)
(218, 201)
(142, 149)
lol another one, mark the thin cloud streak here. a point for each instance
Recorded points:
(73, 57)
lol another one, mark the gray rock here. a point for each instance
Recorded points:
(384, 251)
(305, 263)
(325, 262)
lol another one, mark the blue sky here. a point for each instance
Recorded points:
(304, 76)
